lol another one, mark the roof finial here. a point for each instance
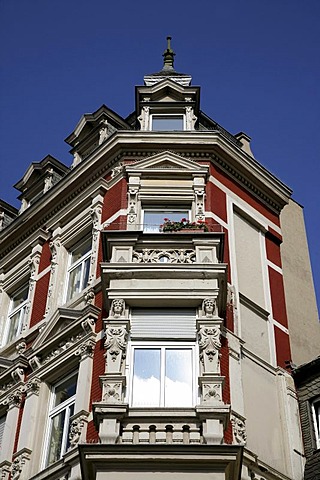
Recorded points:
(168, 56)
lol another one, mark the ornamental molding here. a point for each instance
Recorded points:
(115, 341)
(211, 393)
(209, 341)
(32, 386)
(13, 399)
(77, 424)
(147, 255)
(95, 212)
(5, 470)
(86, 349)
(115, 345)
(18, 375)
(238, 429)
(19, 462)
(21, 347)
(62, 347)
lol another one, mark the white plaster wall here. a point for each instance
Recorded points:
(301, 304)
(248, 259)
(255, 332)
(262, 411)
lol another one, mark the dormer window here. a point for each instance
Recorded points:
(167, 122)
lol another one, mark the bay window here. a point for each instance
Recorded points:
(61, 409)
(79, 268)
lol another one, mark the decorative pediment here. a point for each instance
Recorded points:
(91, 122)
(62, 324)
(163, 161)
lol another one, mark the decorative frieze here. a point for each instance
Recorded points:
(65, 345)
(166, 256)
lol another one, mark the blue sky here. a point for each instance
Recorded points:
(257, 62)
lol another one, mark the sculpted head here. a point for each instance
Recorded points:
(209, 306)
(118, 306)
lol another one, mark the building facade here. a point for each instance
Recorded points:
(144, 322)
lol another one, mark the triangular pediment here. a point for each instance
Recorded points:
(59, 322)
(166, 161)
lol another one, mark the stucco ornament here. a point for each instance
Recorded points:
(239, 430)
(132, 204)
(211, 393)
(117, 307)
(18, 375)
(144, 118)
(115, 345)
(86, 349)
(33, 386)
(21, 347)
(209, 344)
(190, 118)
(209, 307)
(166, 256)
(76, 428)
(112, 393)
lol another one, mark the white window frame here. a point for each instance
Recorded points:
(166, 213)
(163, 346)
(53, 412)
(168, 115)
(315, 407)
(21, 310)
(74, 265)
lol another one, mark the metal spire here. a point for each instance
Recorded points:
(168, 56)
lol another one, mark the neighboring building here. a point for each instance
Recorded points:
(131, 350)
(307, 379)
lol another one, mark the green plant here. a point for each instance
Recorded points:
(183, 224)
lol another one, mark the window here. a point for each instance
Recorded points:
(154, 217)
(78, 272)
(17, 314)
(316, 420)
(167, 122)
(61, 409)
(163, 376)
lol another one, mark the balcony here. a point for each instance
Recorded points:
(168, 269)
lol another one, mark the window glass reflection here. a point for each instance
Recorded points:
(146, 377)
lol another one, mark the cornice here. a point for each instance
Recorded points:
(240, 166)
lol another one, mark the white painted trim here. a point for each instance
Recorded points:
(247, 209)
(122, 211)
(212, 215)
(281, 327)
(274, 266)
